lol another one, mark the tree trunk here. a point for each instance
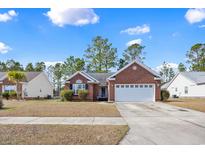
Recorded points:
(17, 91)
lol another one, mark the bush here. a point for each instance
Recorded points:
(164, 95)
(1, 103)
(82, 94)
(6, 95)
(66, 95)
(12, 94)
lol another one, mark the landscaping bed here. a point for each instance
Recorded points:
(56, 108)
(61, 134)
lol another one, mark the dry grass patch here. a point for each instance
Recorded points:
(61, 134)
(55, 108)
(190, 103)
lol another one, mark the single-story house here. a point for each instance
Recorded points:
(133, 83)
(186, 84)
(35, 85)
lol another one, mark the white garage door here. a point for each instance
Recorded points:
(134, 92)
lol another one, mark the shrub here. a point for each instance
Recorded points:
(164, 95)
(6, 95)
(13, 94)
(82, 94)
(1, 103)
(66, 95)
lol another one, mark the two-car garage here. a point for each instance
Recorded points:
(135, 93)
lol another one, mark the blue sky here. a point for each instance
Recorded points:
(31, 35)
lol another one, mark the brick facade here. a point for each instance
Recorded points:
(134, 74)
(93, 89)
(131, 76)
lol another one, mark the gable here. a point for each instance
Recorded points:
(82, 76)
(135, 74)
(41, 79)
(77, 77)
(180, 80)
(138, 64)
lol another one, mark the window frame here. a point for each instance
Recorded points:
(78, 86)
(186, 90)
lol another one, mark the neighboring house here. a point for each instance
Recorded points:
(35, 84)
(133, 83)
(186, 84)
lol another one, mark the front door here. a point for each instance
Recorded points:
(103, 92)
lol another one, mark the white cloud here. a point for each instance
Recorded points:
(137, 30)
(170, 65)
(138, 41)
(201, 26)
(48, 63)
(195, 15)
(72, 16)
(4, 48)
(7, 16)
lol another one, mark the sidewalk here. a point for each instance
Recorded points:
(64, 120)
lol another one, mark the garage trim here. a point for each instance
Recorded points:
(140, 85)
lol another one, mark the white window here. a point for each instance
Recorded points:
(77, 87)
(186, 90)
(136, 86)
(131, 86)
(176, 89)
(9, 88)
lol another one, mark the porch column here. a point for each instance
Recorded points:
(90, 91)
(111, 91)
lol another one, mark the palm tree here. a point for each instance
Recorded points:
(17, 77)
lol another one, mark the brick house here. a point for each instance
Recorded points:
(133, 83)
(35, 85)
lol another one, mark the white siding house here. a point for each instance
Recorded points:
(35, 85)
(187, 84)
(39, 86)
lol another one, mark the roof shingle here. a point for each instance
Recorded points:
(197, 77)
(29, 75)
(101, 77)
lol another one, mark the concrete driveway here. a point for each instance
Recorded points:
(159, 123)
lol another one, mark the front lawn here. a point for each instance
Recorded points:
(56, 108)
(190, 103)
(61, 134)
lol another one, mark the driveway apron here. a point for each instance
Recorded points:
(159, 123)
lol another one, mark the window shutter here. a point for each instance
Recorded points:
(86, 86)
(71, 86)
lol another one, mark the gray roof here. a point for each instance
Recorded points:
(197, 77)
(101, 77)
(29, 75)
(2, 74)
